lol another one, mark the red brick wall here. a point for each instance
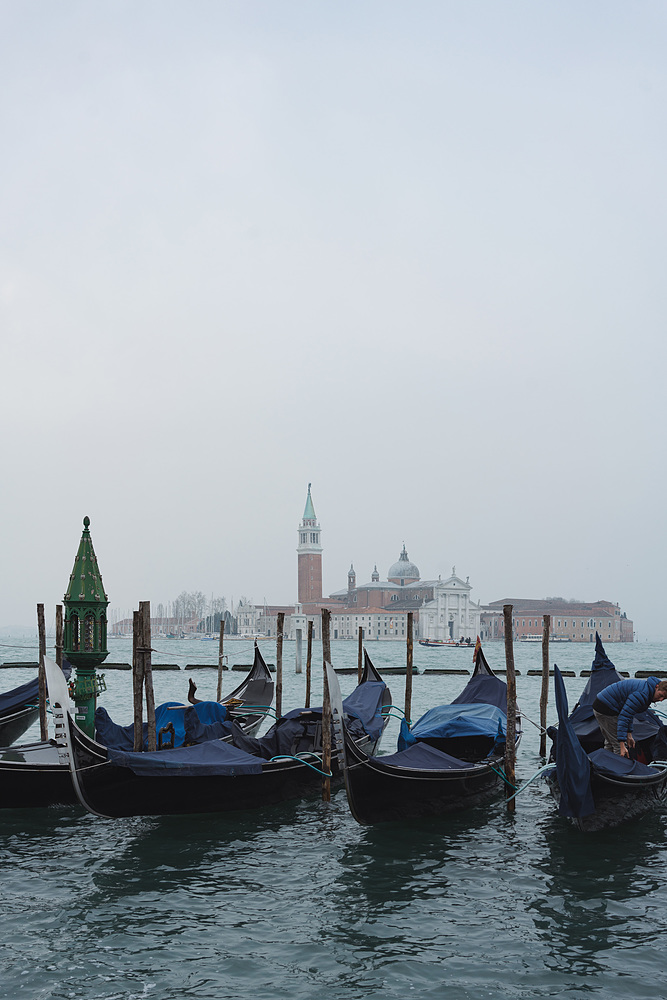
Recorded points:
(310, 577)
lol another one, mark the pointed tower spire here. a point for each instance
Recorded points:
(85, 582)
(309, 556)
(309, 510)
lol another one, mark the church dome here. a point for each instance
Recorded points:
(403, 570)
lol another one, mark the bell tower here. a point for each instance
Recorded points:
(309, 555)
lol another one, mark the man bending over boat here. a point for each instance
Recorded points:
(616, 706)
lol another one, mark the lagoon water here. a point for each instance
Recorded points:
(298, 901)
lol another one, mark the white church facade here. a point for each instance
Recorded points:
(451, 614)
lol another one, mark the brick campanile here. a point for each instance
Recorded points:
(309, 556)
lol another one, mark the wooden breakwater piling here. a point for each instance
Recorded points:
(510, 734)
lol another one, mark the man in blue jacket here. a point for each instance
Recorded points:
(616, 706)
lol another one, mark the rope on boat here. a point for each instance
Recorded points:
(288, 756)
(501, 774)
(536, 724)
(243, 709)
(386, 712)
(546, 767)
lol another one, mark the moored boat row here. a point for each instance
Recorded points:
(450, 759)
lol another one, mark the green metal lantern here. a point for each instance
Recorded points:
(85, 640)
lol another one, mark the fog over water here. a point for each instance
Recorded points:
(411, 254)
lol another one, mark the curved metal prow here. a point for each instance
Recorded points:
(60, 706)
(336, 712)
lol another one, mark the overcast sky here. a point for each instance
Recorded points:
(413, 253)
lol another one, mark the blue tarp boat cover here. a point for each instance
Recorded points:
(423, 757)
(213, 758)
(603, 673)
(615, 766)
(26, 694)
(364, 704)
(204, 721)
(572, 764)
(484, 689)
(449, 721)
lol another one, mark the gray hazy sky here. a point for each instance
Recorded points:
(412, 253)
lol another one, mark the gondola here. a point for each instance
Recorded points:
(36, 775)
(451, 759)
(214, 776)
(177, 723)
(19, 708)
(595, 788)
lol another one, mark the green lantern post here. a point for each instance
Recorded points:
(85, 644)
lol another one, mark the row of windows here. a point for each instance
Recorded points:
(590, 623)
(314, 537)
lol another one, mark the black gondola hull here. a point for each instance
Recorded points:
(111, 790)
(380, 790)
(15, 724)
(117, 792)
(377, 796)
(32, 776)
(615, 802)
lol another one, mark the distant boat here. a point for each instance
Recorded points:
(448, 643)
(538, 638)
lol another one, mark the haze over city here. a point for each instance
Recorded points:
(412, 254)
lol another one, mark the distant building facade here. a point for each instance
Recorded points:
(576, 621)
(451, 614)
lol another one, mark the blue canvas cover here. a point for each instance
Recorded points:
(214, 758)
(122, 737)
(25, 694)
(364, 704)
(449, 721)
(485, 689)
(424, 757)
(604, 673)
(572, 764)
(615, 766)
(203, 722)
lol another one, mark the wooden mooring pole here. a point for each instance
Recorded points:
(309, 662)
(360, 655)
(137, 683)
(147, 671)
(326, 707)
(59, 634)
(221, 659)
(544, 693)
(298, 651)
(41, 629)
(279, 664)
(510, 736)
(408, 671)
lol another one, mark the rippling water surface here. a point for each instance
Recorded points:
(298, 901)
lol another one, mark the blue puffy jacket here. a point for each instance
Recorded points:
(626, 699)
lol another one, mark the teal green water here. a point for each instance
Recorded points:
(299, 901)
